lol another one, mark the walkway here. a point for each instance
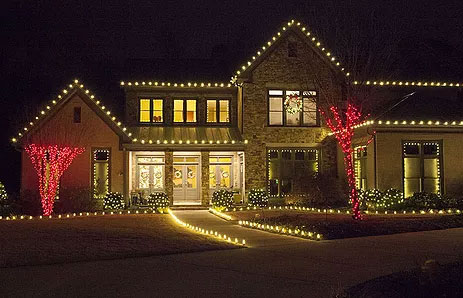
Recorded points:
(274, 266)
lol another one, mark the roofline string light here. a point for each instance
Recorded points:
(181, 85)
(409, 83)
(274, 38)
(71, 86)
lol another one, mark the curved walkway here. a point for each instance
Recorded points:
(274, 266)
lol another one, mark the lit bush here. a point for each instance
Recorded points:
(113, 200)
(258, 197)
(369, 199)
(222, 199)
(5, 206)
(391, 199)
(158, 201)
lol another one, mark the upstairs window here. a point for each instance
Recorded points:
(279, 113)
(151, 110)
(421, 161)
(185, 110)
(218, 111)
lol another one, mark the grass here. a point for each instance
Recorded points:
(338, 226)
(36, 242)
(432, 280)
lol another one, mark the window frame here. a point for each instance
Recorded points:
(359, 183)
(217, 111)
(421, 156)
(184, 122)
(151, 122)
(284, 116)
(93, 172)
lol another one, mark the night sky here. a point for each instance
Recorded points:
(46, 44)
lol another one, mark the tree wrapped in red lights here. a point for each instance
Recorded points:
(342, 127)
(50, 162)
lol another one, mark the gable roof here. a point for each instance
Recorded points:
(56, 104)
(301, 31)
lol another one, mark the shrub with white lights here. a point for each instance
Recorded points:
(113, 200)
(222, 199)
(158, 201)
(258, 197)
(4, 203)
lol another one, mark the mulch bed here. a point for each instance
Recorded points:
(338, 226)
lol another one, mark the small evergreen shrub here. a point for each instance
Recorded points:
(222, 199)
(392, 199)
(75, 199)
(5, 204)
(158, 201)
(423, 200)
(113, 200)
(369, 199)
(258, 197)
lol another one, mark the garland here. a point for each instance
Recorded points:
(293, 104)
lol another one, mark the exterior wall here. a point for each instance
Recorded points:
(90, 133)
(389, 158)
(280, 71)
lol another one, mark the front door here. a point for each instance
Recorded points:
(186, 181)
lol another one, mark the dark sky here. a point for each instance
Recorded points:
(46, 44)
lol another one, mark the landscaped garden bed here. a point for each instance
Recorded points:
(338, 225)
(48, 241)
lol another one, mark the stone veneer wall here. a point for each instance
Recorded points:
(280, 71)
(168, 173)
(205, 193)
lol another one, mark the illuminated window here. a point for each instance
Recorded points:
(220, 172)
(150, 173)
(185, 110)
(289, 169)
(279, 115)
(218, 111)
(101, 172)
(421, 172)
(360, 167)
(151, 110)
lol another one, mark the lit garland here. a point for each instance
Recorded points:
(113, 201)
(258, 197)
(344, 131)
(293, 104)
(50, 162)
(281, 230)
(209, 233)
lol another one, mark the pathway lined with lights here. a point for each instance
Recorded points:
(254, 238)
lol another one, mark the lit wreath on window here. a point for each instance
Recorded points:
(293, 104)
(178, 174)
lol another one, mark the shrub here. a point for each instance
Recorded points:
(28, 203)
(158, 201)
(258, 197)
(374, 199)
(75, 200)
(113, 200)
(369, 199)
(392, 199)
(5, 204)
(423, 200)
(222, 199)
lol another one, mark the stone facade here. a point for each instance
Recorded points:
(277, 70)
(205, 190)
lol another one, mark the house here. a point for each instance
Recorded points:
(260, 130)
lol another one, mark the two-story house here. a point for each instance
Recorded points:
(191, 138)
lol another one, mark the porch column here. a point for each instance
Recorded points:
(169, 169)
(205, 193)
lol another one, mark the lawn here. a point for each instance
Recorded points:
(338, 226)
(48, 241)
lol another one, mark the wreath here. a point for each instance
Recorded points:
(178, 174)
(293, 104)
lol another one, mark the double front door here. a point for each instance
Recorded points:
(186, 181)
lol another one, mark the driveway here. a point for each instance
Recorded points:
(273, 266)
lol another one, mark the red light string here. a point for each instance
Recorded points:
(344, 131)
(50, 162)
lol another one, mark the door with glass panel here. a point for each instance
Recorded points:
(186, 180)
(220, 172)
(150, 173)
